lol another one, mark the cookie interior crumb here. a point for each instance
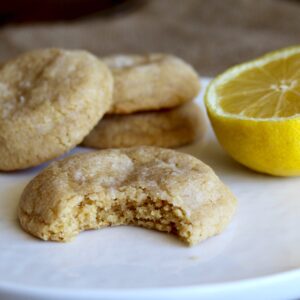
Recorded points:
(151, 213)
(94, 212)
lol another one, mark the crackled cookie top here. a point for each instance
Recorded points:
(150, 82)
(147, 186)
(49, 100)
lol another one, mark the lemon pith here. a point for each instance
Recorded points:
(254, 109)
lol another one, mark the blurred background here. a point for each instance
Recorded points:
(210, 34)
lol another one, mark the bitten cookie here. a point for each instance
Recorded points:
(145, 186)
(150, 82)
(49, 101)
(165, 128)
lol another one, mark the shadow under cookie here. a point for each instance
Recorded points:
(164, 128)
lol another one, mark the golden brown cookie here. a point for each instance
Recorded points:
(150, 82)
(50, 99)
(145, 186)
(164, 128)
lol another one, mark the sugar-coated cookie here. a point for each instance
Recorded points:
(50, 99)
(150, 82)
(172, 127)
(145, 186)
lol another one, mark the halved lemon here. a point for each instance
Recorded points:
(255, 112)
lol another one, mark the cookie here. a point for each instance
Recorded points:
(50, 99)
(150, 82)
(164, 128)
(150, 187)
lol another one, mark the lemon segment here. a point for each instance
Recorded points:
(254, 109)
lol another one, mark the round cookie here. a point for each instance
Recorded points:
(150, 82)
(145, 186)
(164, 128)
(50, 99)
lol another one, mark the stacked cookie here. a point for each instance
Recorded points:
(151, 104)
(51, 100)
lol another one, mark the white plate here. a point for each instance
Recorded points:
(258, 256)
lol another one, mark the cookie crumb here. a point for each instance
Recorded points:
(193, 257)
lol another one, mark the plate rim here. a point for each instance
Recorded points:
(209, 289)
